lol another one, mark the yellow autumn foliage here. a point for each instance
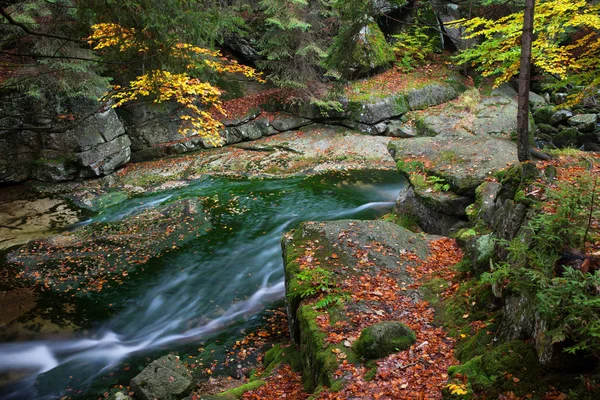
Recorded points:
(554, 21)
(193, 95)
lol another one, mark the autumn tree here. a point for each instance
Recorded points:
(161, 51)
(565, 45)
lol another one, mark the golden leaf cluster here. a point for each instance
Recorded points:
(554, 20)
(192, 94)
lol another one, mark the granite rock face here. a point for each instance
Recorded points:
(95, 147)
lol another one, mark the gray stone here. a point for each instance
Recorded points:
(119, 395)
(479, 250)
(465, 162)
(545, 128)
(105, 157)
(486, 195)
(166, 379)
(508, 218)
(382, 7)
(430, 95)
(536, 101)
(286, 122)
(57, 170)
(584, 122)
(560, 116)
(429, 217)
(560, 98)
(446, 13)
(400, 130)
(384, 338)
(373, 112)
(51, 156)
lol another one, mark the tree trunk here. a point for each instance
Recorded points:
(524, 81)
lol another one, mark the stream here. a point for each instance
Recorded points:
(218, 282)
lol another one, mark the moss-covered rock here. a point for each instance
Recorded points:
(493, 372)
(384, 338)
(464, 162)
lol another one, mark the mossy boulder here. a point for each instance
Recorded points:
(568, 137)
(487, 374)
(464, 162)
(384, 338)
(166, 378)
(371, 50)
(543, 115)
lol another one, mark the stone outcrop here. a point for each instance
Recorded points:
(337, 246)
(94, 148)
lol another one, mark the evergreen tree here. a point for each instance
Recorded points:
(295, 41)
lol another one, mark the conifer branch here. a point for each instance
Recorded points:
(24, 27)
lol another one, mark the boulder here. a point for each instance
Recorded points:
(400, 130)
(464, 162)
(560, 116)
(288, 122)
(166, 379)
(384, 338)
(382, 7)
(95, 147)
(584, 122)
(543, 115)
(568, 137)
(447, 12)
(428, 211)
(536, 101)
(430, 95)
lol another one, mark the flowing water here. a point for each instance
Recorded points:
(219, 282)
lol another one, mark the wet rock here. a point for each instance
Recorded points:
(584, 122)
(85, 259)
(384, 338)
(166, 379)
(344, 238)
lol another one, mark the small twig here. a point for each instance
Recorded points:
(408, 365)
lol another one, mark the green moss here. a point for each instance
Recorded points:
(318, 364)
(491, 373)
(237, 392)
(409, 222)
(475, 344)
(278, 355)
